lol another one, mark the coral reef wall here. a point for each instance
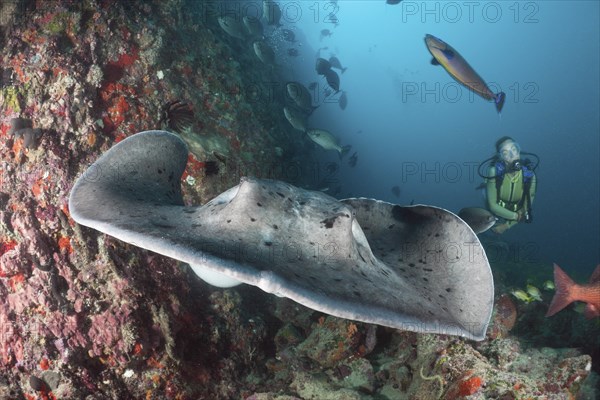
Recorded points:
(81, 313)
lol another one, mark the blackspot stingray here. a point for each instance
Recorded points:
(416, 268)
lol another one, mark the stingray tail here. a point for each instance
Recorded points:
(499, 100)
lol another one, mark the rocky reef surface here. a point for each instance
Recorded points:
(84, 316)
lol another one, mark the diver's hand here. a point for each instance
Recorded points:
(520, 216)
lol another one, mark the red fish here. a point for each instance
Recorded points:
(568, 291)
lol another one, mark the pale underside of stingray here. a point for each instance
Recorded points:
(417, 268)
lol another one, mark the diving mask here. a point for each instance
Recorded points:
(510, 152)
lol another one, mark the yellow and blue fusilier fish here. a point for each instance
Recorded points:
(445, 55)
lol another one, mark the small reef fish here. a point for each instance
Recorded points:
(327, 141)
(333, 80)
(333, 19)
(534, 293)
(296, 118)
(233, 26)
(264, 52)
(335, 63)
(343, 101)
(253, 26)
(567, 291)
(444, 55)
(325, 33)
(301, 96)
(521, 295)
(288, 35)
(322, 66)
(272, 13)
(548, 285)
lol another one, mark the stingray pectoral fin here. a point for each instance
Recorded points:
(129, 173)
(438, 260)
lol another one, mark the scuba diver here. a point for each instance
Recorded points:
(510, 184)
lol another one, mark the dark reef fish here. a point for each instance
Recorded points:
(292, 52)
(272, 13)
(176, 115)
(301, 96)
(343, 101)
(288, 35)
(325, 33)
(322, 66)
(23, 127)
(233, 26)
(253, 26)
(264, 52)
(333, 80)
(335, 63)
(444, 55)
(396, 191)
(568, 291)
(296, 118)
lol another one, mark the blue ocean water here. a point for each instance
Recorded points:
(414, 127)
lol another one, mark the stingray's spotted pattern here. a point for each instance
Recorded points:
(417, 268)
